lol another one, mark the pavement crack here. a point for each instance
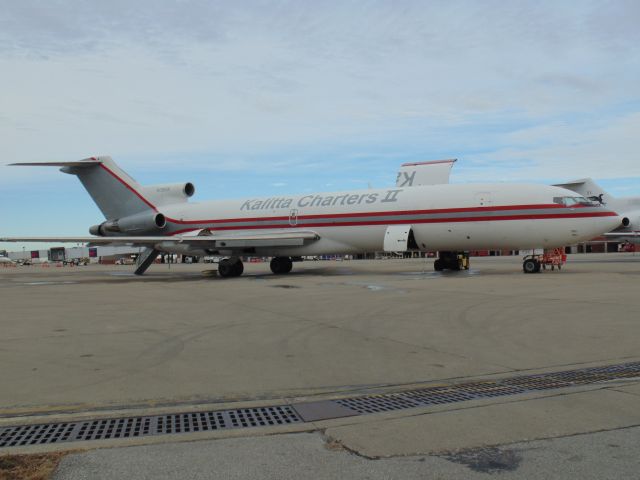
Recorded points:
(335, 445)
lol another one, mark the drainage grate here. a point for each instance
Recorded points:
(488, 389)
(378, 403)
(147, 426)
(132, 427)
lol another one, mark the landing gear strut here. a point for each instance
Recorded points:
(230, 267)
(451, 261)
(281, 265)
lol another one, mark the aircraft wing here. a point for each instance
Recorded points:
(270, 238)
(622, 234)
(417, 174)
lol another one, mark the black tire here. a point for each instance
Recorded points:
(281, 265)
(225, 268)
(437, 265)
(228, 268)
(238, 268)
(531, 266)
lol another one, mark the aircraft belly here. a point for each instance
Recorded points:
(512, 234)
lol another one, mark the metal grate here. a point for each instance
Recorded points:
(113, 428)
(146, 426)
(378, 403)
(488, 389)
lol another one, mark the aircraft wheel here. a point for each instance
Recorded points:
(531, 266)
(228, 268)
(281, 265)
(437, 265)
(238, 268)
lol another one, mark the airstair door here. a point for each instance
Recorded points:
(396, 238)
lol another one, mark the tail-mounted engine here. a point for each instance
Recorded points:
(138, 224)
(632, 220)
(169, 193)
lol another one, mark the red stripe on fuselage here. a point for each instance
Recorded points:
(375, 214)
(406, 221)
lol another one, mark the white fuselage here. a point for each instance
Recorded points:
(442, 217)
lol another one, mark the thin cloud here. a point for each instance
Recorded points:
(335, 86)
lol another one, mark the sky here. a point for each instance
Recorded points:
(254, 98)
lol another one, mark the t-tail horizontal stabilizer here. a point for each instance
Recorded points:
(115, 193)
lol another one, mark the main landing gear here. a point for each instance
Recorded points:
(230, 267)
(281, 265)
(233, 266)
(451, 261)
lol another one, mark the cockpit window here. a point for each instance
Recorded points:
(573, 201)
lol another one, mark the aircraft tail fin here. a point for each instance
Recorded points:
(115, 193)
(589, 189)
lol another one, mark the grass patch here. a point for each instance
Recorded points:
(30, 467)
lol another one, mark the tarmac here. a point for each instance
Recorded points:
(97, 341)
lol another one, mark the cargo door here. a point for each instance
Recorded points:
(396, 238)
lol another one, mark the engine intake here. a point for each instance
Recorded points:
(138, 224)
(631, 220)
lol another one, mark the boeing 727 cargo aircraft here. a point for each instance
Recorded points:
(444, 218)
